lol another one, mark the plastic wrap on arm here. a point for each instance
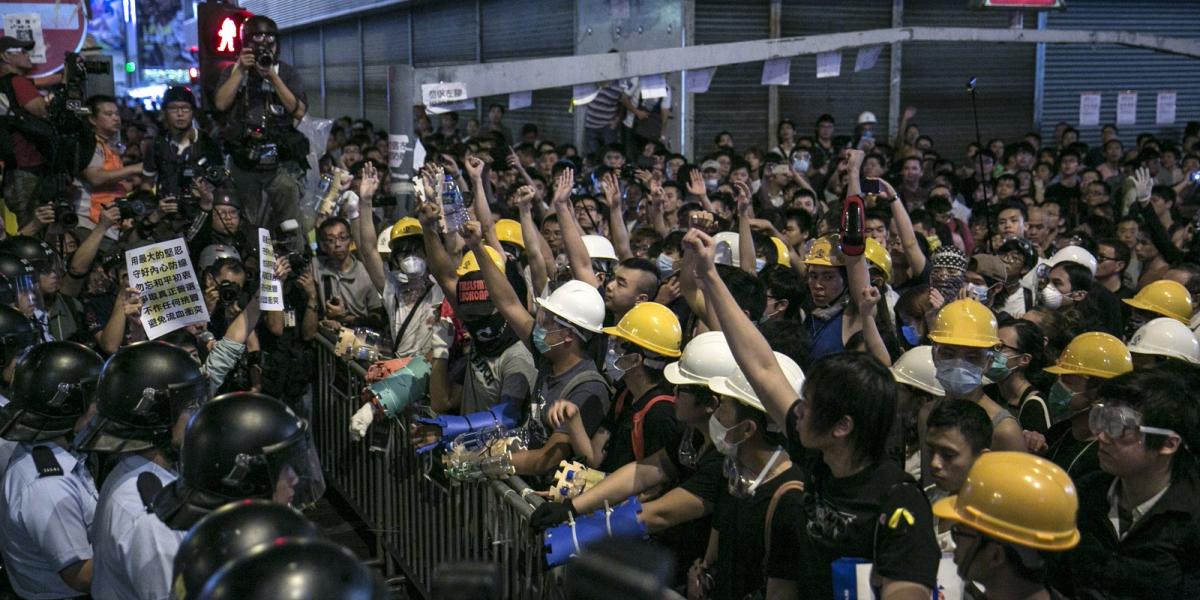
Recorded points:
(573, 537)
(505, 415)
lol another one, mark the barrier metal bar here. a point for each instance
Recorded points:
(415, 520)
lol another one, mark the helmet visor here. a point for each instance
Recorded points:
(295, 470)
(21, 293)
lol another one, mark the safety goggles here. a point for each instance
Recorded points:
(1118, 421)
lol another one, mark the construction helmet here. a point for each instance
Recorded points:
(1164, 297)
(866, 117)
(915, 368)
(736, 386)
(706, 356)
(728, 248)
(825, 252)
(576, 303)
(1076, 255)
(509, 231)
(879, 257)
(599, 248)
(651, 326)
(1093, 354)
(403, 228)
(383, 241)
(1166, 337)
(1018, 498)
(470, 264)
(965, 323)
(783, 255)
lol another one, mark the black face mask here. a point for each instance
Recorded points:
(490, 334)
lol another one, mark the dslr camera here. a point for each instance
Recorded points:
(214, 174)
(264, 57)
(64, 212)
(290, 246)
(137, 205)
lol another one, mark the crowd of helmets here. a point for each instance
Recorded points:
(837, 363)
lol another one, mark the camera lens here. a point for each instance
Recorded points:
(229, 292)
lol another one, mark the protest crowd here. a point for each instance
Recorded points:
(849, 361)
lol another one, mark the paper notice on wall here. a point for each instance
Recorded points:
(1164, 109)
(867, 57)
(519, 100)
(443, 92)
(1089, 109)
(171, 295)
(829, 64)
(270, 289)
(437, 109)
(698, 80)
(1127, 108)
(777, 71)
(584, 93)
(28, 27)
(397, 150)
(654, 86)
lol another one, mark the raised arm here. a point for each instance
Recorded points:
(441, 266)
(536, 248)
(746, 255)
(577, 254)
(508, 304)
(81, 261)
(750, 348)
(908, 236)
(695, 187)
(483, 211)
(616, 215)
(368, 183)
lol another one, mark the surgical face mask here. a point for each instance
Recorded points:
(1000, 370)
(978, 292)
(1059, 400)
(1050, 297)
(959, 376)
(717, 433)
(741, 486)
(413, 266)
(911, 336)
(776, 201)
(759, 264)
(612, 366)
(538, 337)
(711, 184)
(800, 165)
(665, 263)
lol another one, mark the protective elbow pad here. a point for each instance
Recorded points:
(501, 415)
(573, 537)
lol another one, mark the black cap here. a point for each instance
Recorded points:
(9, 41)
(223, 197)
(179, 93)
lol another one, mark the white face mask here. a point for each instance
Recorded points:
(1050, 297)
(978, 292)
(776, 201)
(717, 433)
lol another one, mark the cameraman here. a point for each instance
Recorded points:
(181, 155)
(226, 225)
(105, 177)
(264, 99)
(28, 165)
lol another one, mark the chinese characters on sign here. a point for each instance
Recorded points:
(171, 295)
(443, 93)
(270, 290)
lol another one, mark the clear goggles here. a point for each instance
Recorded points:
(1118, 421)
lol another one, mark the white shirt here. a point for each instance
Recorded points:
(1139, 511)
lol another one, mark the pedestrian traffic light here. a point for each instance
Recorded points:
(219, 32)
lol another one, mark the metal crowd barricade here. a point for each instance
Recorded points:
(416, 521)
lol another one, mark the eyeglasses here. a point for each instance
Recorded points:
(1118, 421)
(179, 109)
(263, 37)
(341, 238)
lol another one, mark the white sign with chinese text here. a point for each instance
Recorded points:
(519, 100)
(172, 297)
(443, 93)
(1089, 109)
(1127, 108)
(777, 71)
(1164, 109)
(699, 80)
(829, 64)
(28, 27)
(270, 289)
(867, 57)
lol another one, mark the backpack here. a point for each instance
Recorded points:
(637, 436)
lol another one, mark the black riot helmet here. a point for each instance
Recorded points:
(142, 391)
(36, 252)
(52, 385)
(300, 568)
(240, 445)
(229, 533)
(17, 332)
(18, 288)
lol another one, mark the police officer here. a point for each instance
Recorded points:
(264, 98)
(144, 394)
(229, 533)
(182, 156)
(49, 497)
(241, 445)
(17, 289)
(17, 333)
(63, 312)
(301, 568)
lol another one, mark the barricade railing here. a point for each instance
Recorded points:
(416, 520)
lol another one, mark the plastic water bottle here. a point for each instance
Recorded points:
(452, 205)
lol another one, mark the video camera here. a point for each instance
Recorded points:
(215, 174)
(290, 246)
(137, 205)
(264, 57)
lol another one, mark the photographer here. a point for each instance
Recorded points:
(226, 295)
(225, 225)
(264, 99)
(28, 164)
(104, 178)
(182, 156)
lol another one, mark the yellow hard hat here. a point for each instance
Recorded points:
(405, 227)
(1164, 297)
(1018, 498)
(879, 257)
(825, 252)
(509, 231)
(470, 264)
(965, 323)
(652, 326)
(1093, 354)
(782, 255)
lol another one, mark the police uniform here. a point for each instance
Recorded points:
(135, 551)
(7, 447)
(47, 505)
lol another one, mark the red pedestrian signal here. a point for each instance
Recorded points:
(219, 31)
(228, 35)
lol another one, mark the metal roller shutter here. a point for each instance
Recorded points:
(341, 69)
(444, 34)
(736, 101)
(934, 77)
(306, 57)
(296, 13)
(385, 39)
(527, 29)
(845, 96)
(1109, 69)
(549, 112)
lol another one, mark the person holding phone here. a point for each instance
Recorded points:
(348, 295)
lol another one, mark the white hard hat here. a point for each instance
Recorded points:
(727, 248)
(736, 385)
(1074, 254)
(211, 254)
(599, 248)
(383, 242)
(1165, 336)
(578, 304)
(915, 368)
(706, 356)
(866, 117)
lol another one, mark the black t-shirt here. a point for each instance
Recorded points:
(878, 514)
(741, 547)
(706, 478)
(1076, 457)
(659, 428)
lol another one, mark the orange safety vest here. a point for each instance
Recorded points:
(106, 194)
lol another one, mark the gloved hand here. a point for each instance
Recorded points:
(1143, 183)
(550, 514)
(350, 205)
(361, 421)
